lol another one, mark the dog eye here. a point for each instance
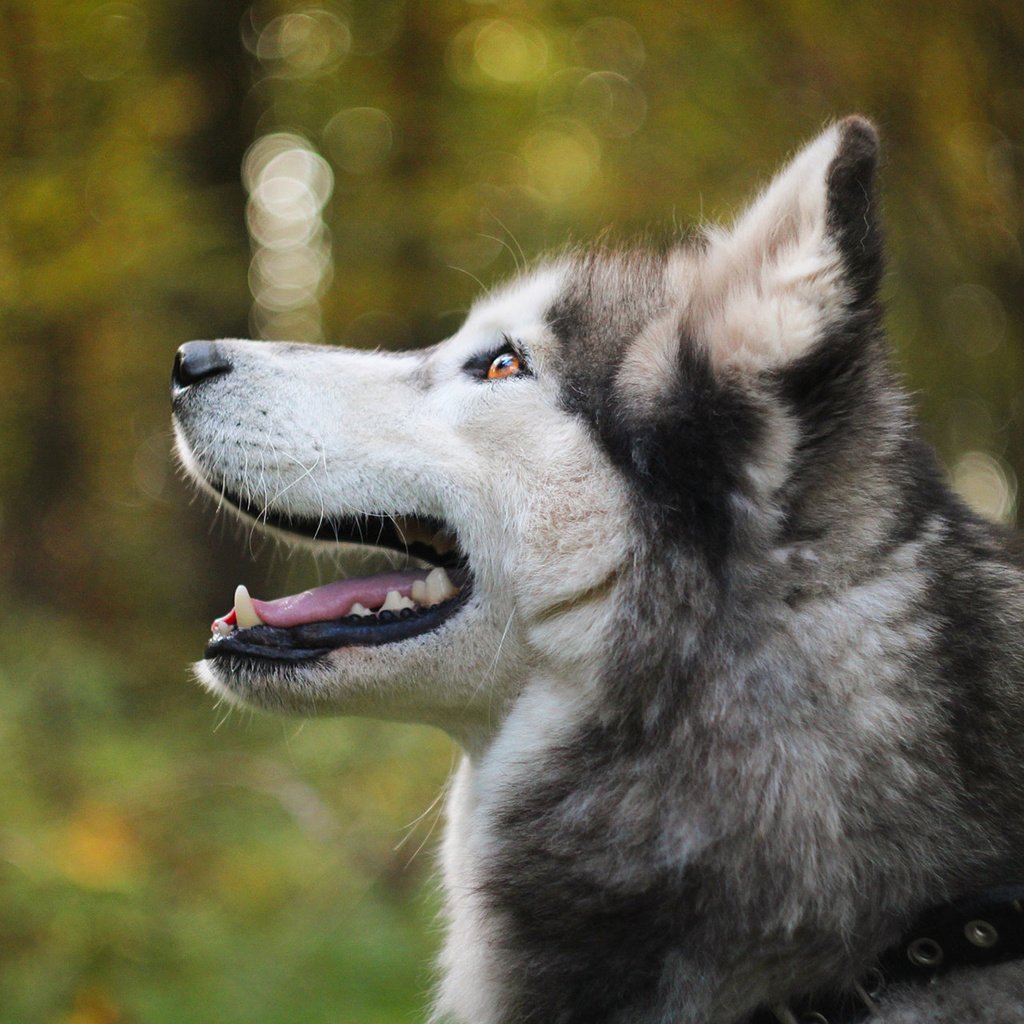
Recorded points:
(508, 364)
(502, 362)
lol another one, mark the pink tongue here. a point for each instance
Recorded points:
(336, 599)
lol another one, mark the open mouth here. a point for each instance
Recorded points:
(358, 612)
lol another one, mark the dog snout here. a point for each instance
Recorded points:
(196, 361)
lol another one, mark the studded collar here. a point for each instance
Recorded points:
(979, 932)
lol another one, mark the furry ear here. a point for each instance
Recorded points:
(806, 251)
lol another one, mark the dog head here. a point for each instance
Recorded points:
(710, 403)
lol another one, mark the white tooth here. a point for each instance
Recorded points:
(245, 610)
(359, 609)
(419, 592)
(221, 628)
(394, 602)
(439, 587)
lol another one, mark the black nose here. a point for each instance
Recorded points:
(197, 360)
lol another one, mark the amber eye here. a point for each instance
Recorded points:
(507, 364)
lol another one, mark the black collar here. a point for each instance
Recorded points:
(982, 931)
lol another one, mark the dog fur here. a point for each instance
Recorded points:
(740, 684)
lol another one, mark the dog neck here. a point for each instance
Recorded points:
(981, 931)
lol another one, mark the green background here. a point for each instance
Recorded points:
(163, 860)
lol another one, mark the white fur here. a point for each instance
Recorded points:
(769, 284)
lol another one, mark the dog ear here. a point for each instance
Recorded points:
(805, 254)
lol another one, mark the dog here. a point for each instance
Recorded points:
(739, 681)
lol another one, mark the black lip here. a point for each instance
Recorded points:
(314, 640)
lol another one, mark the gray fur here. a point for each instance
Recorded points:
(992, 997)
(784, 715)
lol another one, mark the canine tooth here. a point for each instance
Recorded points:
(439, 587)
(359, 609)
(419, 592)
(245, 610)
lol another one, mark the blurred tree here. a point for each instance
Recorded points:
(112, 256)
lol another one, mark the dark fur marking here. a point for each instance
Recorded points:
(595, 949)
(852, 218)
(685, 455)
(689, 456)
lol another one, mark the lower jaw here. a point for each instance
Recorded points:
(315, 641)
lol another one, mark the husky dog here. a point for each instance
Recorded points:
(739, 681)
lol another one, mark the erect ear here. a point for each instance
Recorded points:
(807, 252)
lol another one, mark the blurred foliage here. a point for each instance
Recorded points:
(159, 860)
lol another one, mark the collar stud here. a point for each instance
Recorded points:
(925, 952)
(981, 934)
